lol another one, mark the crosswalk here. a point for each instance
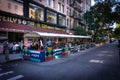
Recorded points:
(9, 75)
(16, 77)
(6, 73)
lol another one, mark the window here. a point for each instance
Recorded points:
(63, 1)
(70, 23)
(36, 12)
(67, 22)
(16, 7)
(62, 20)
(71, 12)
(59, 6)
(48, 2)
(68, 11)
(21, 1)
(67, 1)
(62, 9)
(40, 0)
(9, 5)
(0, 3)
(53, 3)
(51, 17)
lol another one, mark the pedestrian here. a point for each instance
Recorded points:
(6, 49)
(21, 46)
(49, 42)
(10, 47)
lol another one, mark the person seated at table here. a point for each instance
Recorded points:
(55, 46)
(35, 45)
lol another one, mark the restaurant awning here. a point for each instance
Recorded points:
(39, 34)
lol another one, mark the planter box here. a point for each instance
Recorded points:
(37, 56)
(65, 54)
(82, 49)
(75, 51)
(26, 57)
(49, 58)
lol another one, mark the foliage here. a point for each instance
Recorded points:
(108, 11)
(117, 31)
(104, 12)
(80, 31)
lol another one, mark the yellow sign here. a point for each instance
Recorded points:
(49, 49)
(38, 24)
(44, 26)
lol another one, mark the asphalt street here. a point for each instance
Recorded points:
(99, 63)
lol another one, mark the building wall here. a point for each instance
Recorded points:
(11, 6)
(71, 21)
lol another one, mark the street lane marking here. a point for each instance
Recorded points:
(6, 73)
(96, 61)
(16, 77)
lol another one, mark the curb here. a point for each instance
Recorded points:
(13, 60)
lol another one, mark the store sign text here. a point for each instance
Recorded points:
(35, 55)
(16, 20)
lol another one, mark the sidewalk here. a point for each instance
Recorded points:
(12, 57)
(18, 56)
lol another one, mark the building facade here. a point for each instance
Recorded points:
(18, 17)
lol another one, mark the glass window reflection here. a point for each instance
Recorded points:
(36, 12)
(62, 20)
(51, 17)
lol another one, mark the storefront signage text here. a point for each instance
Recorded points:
(16, 20)
(25, 22)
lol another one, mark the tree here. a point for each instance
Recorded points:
(80, 31)
(117, 31)
(104, 12)
(109, 9)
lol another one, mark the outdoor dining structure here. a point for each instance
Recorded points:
(42, 46)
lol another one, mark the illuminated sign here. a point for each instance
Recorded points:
(44, 26)
(16, 20)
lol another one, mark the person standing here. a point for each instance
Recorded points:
(6, 49)
(21, 46)
(49, 43)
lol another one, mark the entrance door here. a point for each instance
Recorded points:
(15, 37)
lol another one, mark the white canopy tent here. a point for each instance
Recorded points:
(39, 34)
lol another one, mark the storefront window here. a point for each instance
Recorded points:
(62, 20)
(51, 17)
(36, 12)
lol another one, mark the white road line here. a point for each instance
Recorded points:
(0, 69)
(6, 73)
(16, 77)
